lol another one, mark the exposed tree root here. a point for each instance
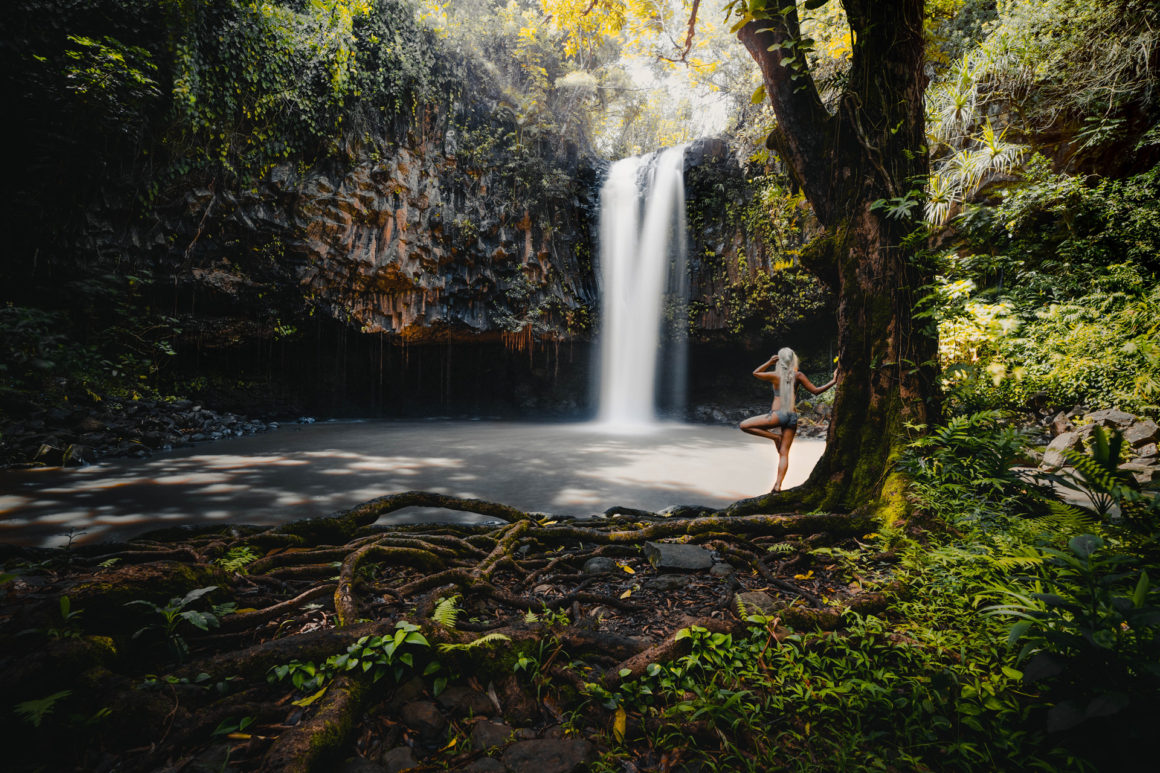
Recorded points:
(617, 617)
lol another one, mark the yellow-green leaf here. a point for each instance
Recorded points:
(619, 724)
(304, 702)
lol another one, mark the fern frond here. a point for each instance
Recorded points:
(485, 640)
(781, 547)
(447, 612)
(1063, 518)
(1018, 562)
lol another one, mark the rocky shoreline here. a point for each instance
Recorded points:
(74, 436)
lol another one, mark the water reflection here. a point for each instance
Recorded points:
(317, 469)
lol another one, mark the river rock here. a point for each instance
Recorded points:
(424, 718)
(549, 755)
(487, 734)
(755, 602)
(1142, 433)
(669, 555)
(599, 565)
(1053, 457)
(463, 701)
(667, 582)
(399, 759)
(721, 570)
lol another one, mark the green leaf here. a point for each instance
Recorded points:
(758, 95)
(1083, 545)
(1018, 630)
(1141, 592)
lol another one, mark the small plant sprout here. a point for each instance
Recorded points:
(175, 611)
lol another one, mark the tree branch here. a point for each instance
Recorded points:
(804, 124)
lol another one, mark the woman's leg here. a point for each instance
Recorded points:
(763, 426)
(787, 436)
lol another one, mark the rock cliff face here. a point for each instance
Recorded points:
(415, 243)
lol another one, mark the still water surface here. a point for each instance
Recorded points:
(300, 471)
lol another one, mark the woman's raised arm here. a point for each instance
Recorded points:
(762, 372)
(816, 390)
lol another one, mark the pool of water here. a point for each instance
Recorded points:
(300, 471)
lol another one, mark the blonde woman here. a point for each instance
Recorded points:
(780, 424)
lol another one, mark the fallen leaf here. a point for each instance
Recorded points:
(626, 594)
(619, 724)
(626, 568)
(805, 576)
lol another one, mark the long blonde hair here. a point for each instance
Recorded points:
(786, 370)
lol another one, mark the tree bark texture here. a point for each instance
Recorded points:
(869, 148)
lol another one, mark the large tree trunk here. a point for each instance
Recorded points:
(858, 166)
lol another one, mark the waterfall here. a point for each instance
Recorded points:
(642, 259)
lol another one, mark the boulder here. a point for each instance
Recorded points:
(1144, 474)
(1111, 417)
(1060, 424)
(1142, 433)
(755, 602)
(463, 701)
(487, 734)
(669, 555)
(549, 755)
(424, 718)
(1149, 451)
(1053, 457)
(399, 759)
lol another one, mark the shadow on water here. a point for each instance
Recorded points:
(298, 472)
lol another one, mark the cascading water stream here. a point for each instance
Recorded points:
(642, 245)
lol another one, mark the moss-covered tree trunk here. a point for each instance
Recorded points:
(862, 166)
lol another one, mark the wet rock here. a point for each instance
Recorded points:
(549, 755)
(424, 718)
(722, 570)
(1142, 433)
(398, 759)
(599, 565)
(667, 582)
(487, 734)
(1053, 457)
(79, 455)
(463, 701)
(755, 602)
(668, 555)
